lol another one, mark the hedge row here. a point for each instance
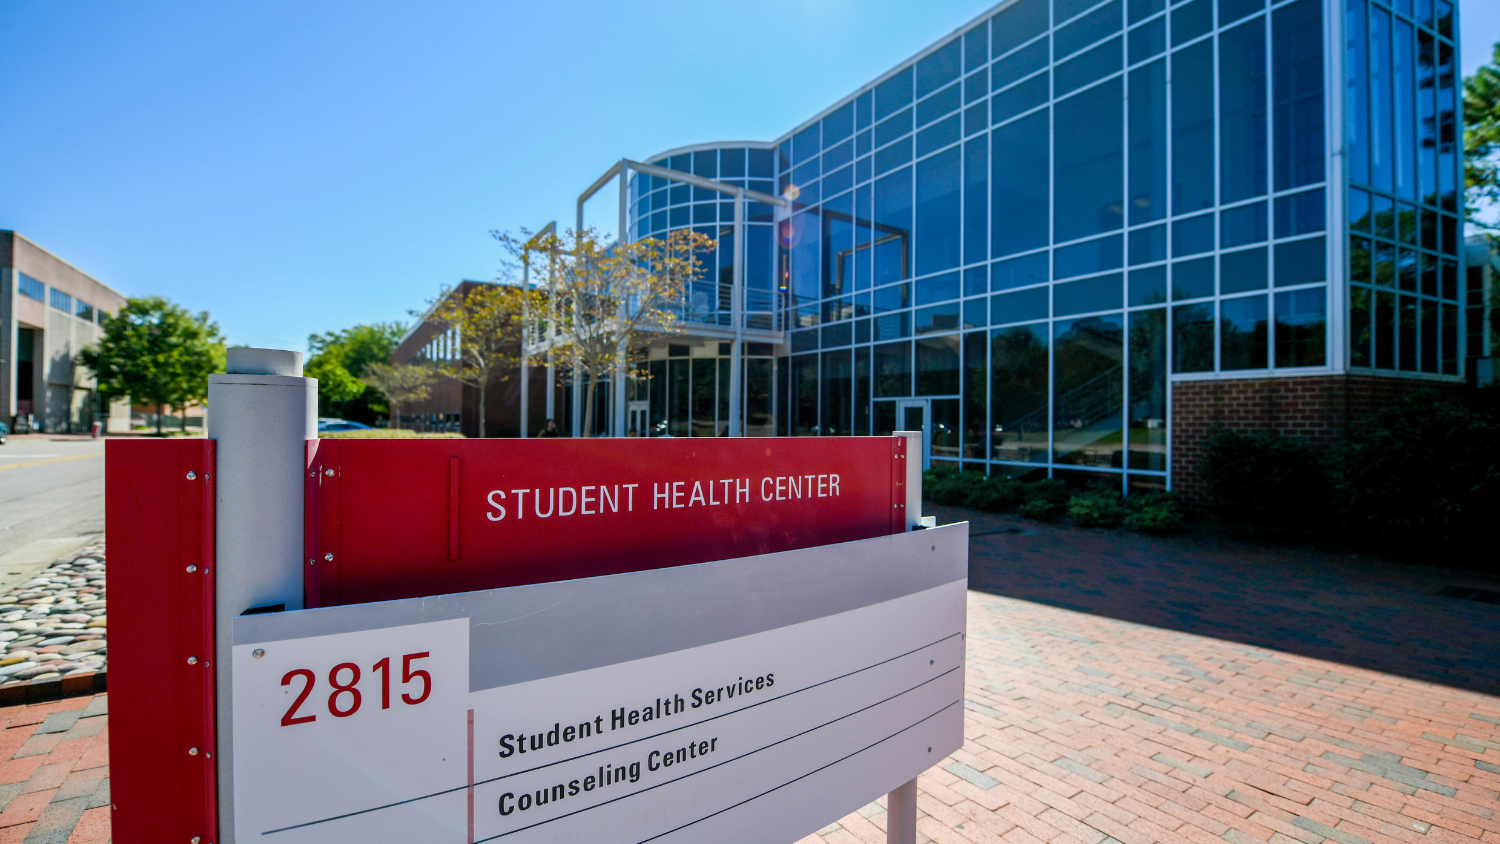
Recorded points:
(1050, 500)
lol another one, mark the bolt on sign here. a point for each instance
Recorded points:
(753, 699)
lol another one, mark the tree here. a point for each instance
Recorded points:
(1482, 137)
(339, 358)
(402, 383)
(157, 353)
(610, 299)
(487, 320)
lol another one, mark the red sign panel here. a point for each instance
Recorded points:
(390, 519)
(159, 517)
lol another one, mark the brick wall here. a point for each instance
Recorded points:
(1318, 408)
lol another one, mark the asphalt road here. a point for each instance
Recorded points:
(51, 501)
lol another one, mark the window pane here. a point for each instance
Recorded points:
(1242, 225)
(1297, 51)
(1023, 97)
(1193, 127)
(1148, 286)
(1243, 333)
(940, 67)
(1300, 262)
(1193, 279)
(893, 370)
(1088, 393)
(938, 365)
(1242, 271)
(679, 396)
(938, 228)
(976, 389)
(1193, 235)
(976, 200)
(1019, 65)
(1232, 10)
(1090, 294)
(1406, 333)
(1301, 327)
(1148, 390)
(936, 318)
(838, 393)
(1302, 213)
(1242, 111)
(1143, 42)
(1361, 332)
(938, 288)
(1018, 186)
(1429, 335)
(758, 397)
(1385, 330)
(977, 46)
(893, 95)
(1087, 29)
(1105, 253)
(1191, 20)
(893, 227)
(1149, 244)
(1018, 397)
(1357, 59)
(1087, 67)
(1090, 163)
(1148, 142)
(1403, 109)
(1018, 272)
(1017, 25)
(806, 238)
(1020, 306)
(1193, 338)
(803, 404)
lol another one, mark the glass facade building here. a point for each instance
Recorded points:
(1023, 238)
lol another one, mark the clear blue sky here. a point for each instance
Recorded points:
(302, 167)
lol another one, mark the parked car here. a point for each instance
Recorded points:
(325, 424)
(4, 433)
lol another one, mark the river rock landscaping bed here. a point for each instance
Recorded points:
(53, 634)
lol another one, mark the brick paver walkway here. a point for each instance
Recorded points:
(54, 784)
(1084, 727)
(1123, 724)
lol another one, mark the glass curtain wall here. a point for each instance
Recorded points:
(1405, 230)
(1030, 228)
(688, 395)
(659, 206)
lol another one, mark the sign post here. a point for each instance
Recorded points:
(562, 640)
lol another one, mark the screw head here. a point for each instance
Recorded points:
(931, 662)
(192, 751)
(929, 750)
(192, 476)
(195, 839)
(328, 472)
(328, 557)
(192, 660)
(192, 569)
(257, 653)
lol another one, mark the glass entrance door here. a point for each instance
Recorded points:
(916, 415)
(638, 412)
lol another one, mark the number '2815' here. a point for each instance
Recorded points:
(345, 699)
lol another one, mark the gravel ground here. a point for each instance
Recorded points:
(53, 625)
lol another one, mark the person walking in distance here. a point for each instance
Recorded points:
(548, 430)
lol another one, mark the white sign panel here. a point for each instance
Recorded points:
(758, 699)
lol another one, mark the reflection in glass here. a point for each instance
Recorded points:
(937, 365)
(803, 403)
(1242, 111)
(1297, 93)
(1018, 397)
(1148, 390)
(1148, 142)
(1381, 127)
(892, 234)
(976, 200)
(1385, 330)
(1089, 164)
(1193, 127)
(1018, 186)
(893, 370)
(1148, 286)
(838, 393)
(976, 389)
(938, 230)
(1088, 391)
(1193, 338)
(1243, 333)
(1361, 333)
(862, 391)
(945, 424)
(758, 397)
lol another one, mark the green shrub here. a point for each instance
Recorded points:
(1262, 480)
(952, 487)
(1422, 475)
(1045, 501)
(996, 494)
(1097, 507)
(1157, 513)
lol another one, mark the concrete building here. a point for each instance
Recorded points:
(50, 310)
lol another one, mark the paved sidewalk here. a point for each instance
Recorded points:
(54, 782)
(1095, 727)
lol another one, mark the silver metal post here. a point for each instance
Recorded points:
(737, 317)
(264, 413)
(525, 327)
(622, 237)
(901, 815)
